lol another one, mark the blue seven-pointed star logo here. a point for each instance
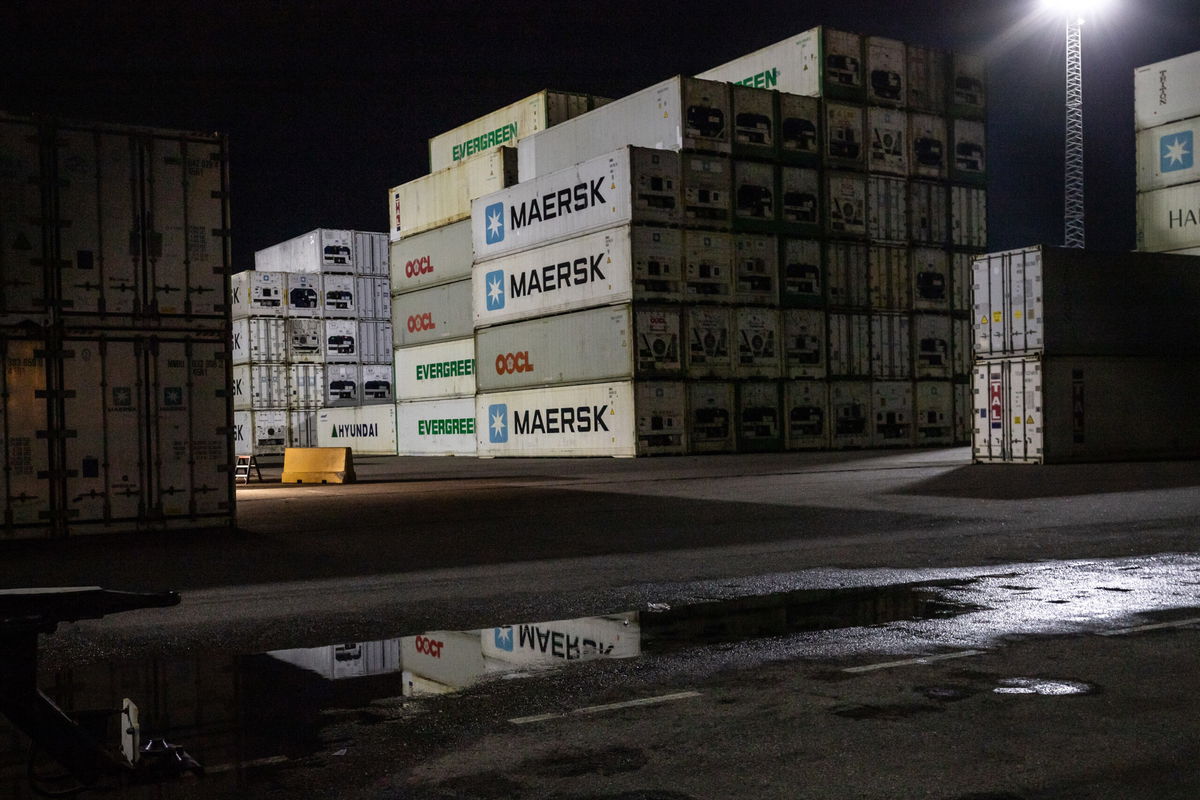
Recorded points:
(498, 423)
(503, 638)
(1176, 152)
(494, 281)
(494, 220)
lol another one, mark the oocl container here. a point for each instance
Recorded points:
(440, 255)
(445, 196)
(439, 313)
(435, 371)
(806, 415)
(442, 427)
(259, 340)
(321, 250)
(1169, 219)
(1166, 91)
(368, 430)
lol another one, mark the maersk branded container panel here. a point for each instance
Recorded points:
(850, 414)
(928, 145)
(255, 293)
(712, 411)
(846, 203)
(889, 278)
(262, 433)
(320, 250)
(931, 280)
(968, 217)
(804, 333)
(887, 135)
(755, 122)
(1166, 155)
(1166, 91)
(1169, 219)
(372, 297)
(259, 386)
(968, 142)
(434, 371)
(302, 427)
(371, 253)
(806, 415)
(441, 427)
(845, 136)
(341, 341)
(755, 269)
(624, 186)
(887, 209)
(892, 414)
(597, 419)
(928, 218)
(708, 266)
(259, 340)
(441, 255)
(367, 430)
(967, 90)
(933, 412)
(891, 346)
(306, 385)
(760, 424)
(302, 294)
(343, 385)
(436, 314)
(803, 279)
(305, 340)
(933, 353)
(378, 384)
(709, 331)
(676, 114)
(758, 335)
(926, 79)
(849, 345)
(887, 71)
(445, 196)
(375, 341)
(847, 271)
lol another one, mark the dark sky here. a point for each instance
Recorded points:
(329, 104)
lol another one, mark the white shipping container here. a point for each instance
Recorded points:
(260, 433)
(847, 268)
(845, 135)
(887, 71)
(760, 424)
(305, 340)
(928, 146)
(968, 217)
(934, 413)
(891, 346)
(1166, 155)
(321, 250)
(792, 65)
(759, 333)
(436, 314)
(708, 266)
(927, 213)
(337, 296)
(707, 190)
(847, 202)
(887, 130)
(803, 282)
(1169, 219)
(371, 253)
(258, 294)
(849, 345)
(372, 297)
(377, 384)
(889, 278)
(754, 198)
(711, 410)
(804, 343)
(343, 385)
(368, 430)
(440, 255)
(374, 341)
(799, 202)
(259, 386)
(302, 428)
(850, 413)
(676, 114)
(1166, 91)
(435, 371)
(931, 280)
(887, 209)
(303, 294)
(442, 427)
(709, 331)
(806, 415)
(926, 79)
(755, 269)
(445, 196)
(341, 341)
(932, 337)
(306, 386)
(969, 140)
(892, 414)
(259, 340)
(591, 420)
(799, 125)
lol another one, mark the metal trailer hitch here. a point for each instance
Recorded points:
(77, 743)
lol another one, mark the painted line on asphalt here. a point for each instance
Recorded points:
(1179, 623)
(645, 701)
(908, 662)
(258, 762)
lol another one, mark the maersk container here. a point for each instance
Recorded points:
(755, 122)
(758, 336)
(436, 314)
(800, 200)
(891, 346)
(375, 341)
(259, 386)
(933, 413)
(337, 296)
(440, 255)
(799, 129)
(1085, 408)
(803, 284)
(962, 266)
(887, 209)
(305, 340)
(445, 196)
(707, 189)
(892, 414)
(850, 414)
(343, 385)
(261, 433)
(849, 345)
(377, 384)
(760, 422)
(259, 340)
(436, 371)
(1169, 219)
(601, 344)
(306, 385)
(1166, 91)
(845, 136)
(846, 196)
(1166, 155)
(598, 419)
(928, 220)
(968, 142)
(928, 145)
(321, 250)
(710, 415)
(804, 343)
(371, 253)
(887, 72)
(508, 125)
(1067, 301)
(755, 269)
(967, 90)
(926, 79)
(806, 415)
(889, 278)
(931, 280)
(755, 200)
(258, 294)
(847, 269)
(302, 427)
(887, 130)
(630, 185)
(932, 336)
(302, 294)
(676, 114)
(709, 331)
(440, 427)
(367, 430)
(341, 341)
(372, 297)
(708, 266)
(968, 217)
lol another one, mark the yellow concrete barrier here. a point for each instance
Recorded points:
(318, 465)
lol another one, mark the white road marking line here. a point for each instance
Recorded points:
(1179, 623)
(645, 701)
(258, 762)
(913, 661)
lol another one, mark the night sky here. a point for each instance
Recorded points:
(327, 105)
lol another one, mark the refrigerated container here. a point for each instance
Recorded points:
(933, 403)
(892, 414)
(799, 129)
(710, 417)
(305, 340)
(887, 134)
(261, 433)
(598, 419)
(709, 331)
(259, 340)
(343, 385)
(661, 417)
(760, 424)
(707, 190)
(321, 250)
(931, 280)
(306, 385)
(259, 386)
(708, 266)
(968, 144)
(755, 199)
(1169, 219)
(445, 196)
(374, 341)
(846, 198)
(377, 384)
(439, 427)
(258, 294)
(302, 427)
(337, 296)
(341, 341)
(891, 346)
(801, 269)
(850, 414)
(961, 353)
(849, 345)
(755, 122)
(932, 336)
(372, 297)
(800, 200)
(1166, 91)
(815, 63)
(755, 269)
(845, 136)
(968, 217)
(961, 267)
(435, 371)
(436, 314)
(887, 72)
(757, 335)
(928, 220)
(440, 255)
(368, 430)
(928, 146)
(887, 209)
(847, 270)
(1166, 155)
(926, 79)
(302, 294)
(964, 413)
(804, 334)
(967, 86)
(371, 253)
(889, 278)
(806, 415)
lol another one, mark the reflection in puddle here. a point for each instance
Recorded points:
(1043, 686)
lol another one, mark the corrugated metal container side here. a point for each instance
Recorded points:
(591, 420)
(962, 266)
(302, 294)
(892, 414)
(368, 430)
(799, 129)
(847, 270)
(343, 385)
(25, 280)
(435, 371)
(755, 200)
(849, 345)
(968, 217)
(1169, 219)
(305, 341)
(440, 255)
(887, 71)
(711, 409)
(341, 341)
(371, 253)
(321, 250)
(337, 296)
(847, 199)
(932, 338)
(624, 186)
(443, 427)
(377, 384)
(964, 413)
(891, 346)
(803, 283)
(760, 425)
(934, 413)
(259, 386)
(374, 341)
(928, 146)
(709, 332)
(1058, 410)
(931, 279)
(887, 209)
(755, 269)
(26, 456)
(661, 417)
(708, 266)
(257, 294)
(804, 343)
(806, 415)
(676, 114)
(755, 122)
(845, 136)
(259, 340)
(436, 314)
(759, 333)
(969, 141)
(967, 88)
(1166, 91)
(960, 348)
(445, 196)
(260, 433)
(306, 385)
(887, 130)
(1166, 155)
(928, 218)
(302, 427)
(850, 413)
(707, 190)
(373, 297)
(800, 200)
(889, 278)
(792, 65)
(926, 79)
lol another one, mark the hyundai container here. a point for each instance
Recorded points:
(889, 278)
(259, 386)
(1166, 91)
(436, 371)
(258, 294)
(369, 430)
(302, 294)
(707, 266)
(849, 345)
(931, 279)
(321, 250)
(803, 283)
(439, 427)
(850, 414)
(436, 314)
(758, 334)
(800, 200)
(928, 146)
(932, 336)
(892, 414)
(440, 255)
(927, 214)
(755, 269)
(806, 415)
(372, 297)
(847, 271)
(933, 413)
(709, 331)
(891, 346)
(755, 197)
(1166, 155)
(968, 217)
(1169, 219)
(966, 92)
(377, 384)
(819, 62)
(968, 151)
(337, 296)
(887, 72)
(887, 209)
(755, 123)
(846, 199)
(375, 341)
(341, 341)
(804, 333)
(887, 137)
(445, 196)
(799, 129)
(260, 433)
(711, 409)
(305, 386)
(926, 79)
(305, 340)
(259, 340)
(760, 423)
(845, 136)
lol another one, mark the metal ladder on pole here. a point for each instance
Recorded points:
(241, 470)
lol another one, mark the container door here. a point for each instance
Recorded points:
(23, 417)
(24, 256)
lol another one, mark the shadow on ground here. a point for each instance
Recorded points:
(1030, 481)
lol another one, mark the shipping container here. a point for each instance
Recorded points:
(755, 122)
(507, 125)
(677, 114)
(26, 280)
(436, 371)
(891, 346)
(964, 413)
(886, 72)
(755, 269)
(306, 385)
(800, 200)
(968, 217)
(849, 345)
(802, 269)
(961, 352)
(707, 189)
(596, 419)
(806, 415)
(259, 340)
(968, 142)
(371, 253)
(804, 343)
(368, 430)
(372, 297)
(343, 385)
(708, 266)
(1085, 408)
(847, 202)
(755, 199)
(818, 62)
(440, 427)
(341, 341)
(709, 331)
(302, 294)
(321, 250)
(842, 65)
(1067, 301)
(847, 269)
(710, 414)
(892, 414)
(436, 314)
(934, 413)
(1169, 219)
(1166, 155)
(887, 209)
(302, 426)
(630, 185)
(799, 129)
(261, 433)
(850, 414)
(889, 278)
(932, 336)
(760, 425)
(967, 89)
(445, 196)
(931, 280)
(258, 294)
(661, 417)
(259, 386)
(377, 384)
(305, 341)
(887, 132)
(1166, 91)
(926, 79)
(337, 296)
(440, 255)
(845, 136)
(962, 266)
(928, 146)
(928, 218)
(758, 333)
(374, 341)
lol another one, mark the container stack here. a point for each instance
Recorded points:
(312, 345)
(114, 322)
(1167, 117)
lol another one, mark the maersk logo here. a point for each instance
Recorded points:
(494, 217)
(503, 638)
(1176, 152)
(495, 289)
(498, 423)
